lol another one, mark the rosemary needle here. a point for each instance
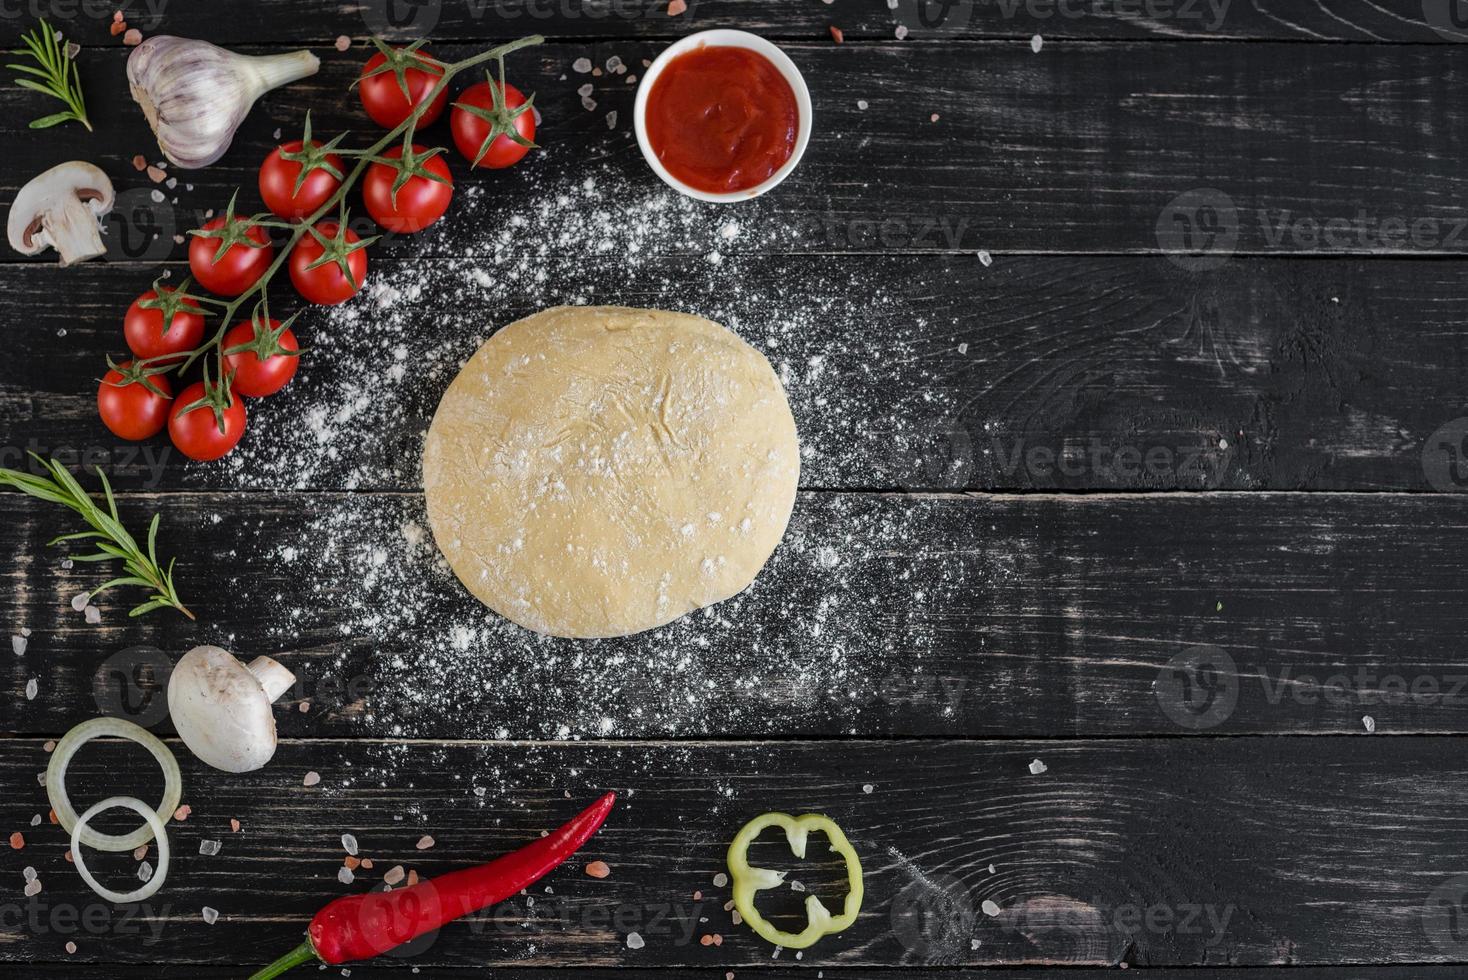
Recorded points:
(56, 75)
(109, 536)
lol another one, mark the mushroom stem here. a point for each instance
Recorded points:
(72, 229)
(272, 675)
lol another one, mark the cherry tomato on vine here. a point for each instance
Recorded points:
(194, 425)
(385, 76)
(134, 403)
(316, 264)
(281, 173)
(480, 113)
(240, 267)
(419, 202)
(151, 331)
(260, 356)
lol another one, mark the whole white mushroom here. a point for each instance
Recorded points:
(222, 708)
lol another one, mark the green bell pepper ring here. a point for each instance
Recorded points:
(746, 880)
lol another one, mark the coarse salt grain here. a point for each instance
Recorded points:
(92, 614)
(425, 842)
(18, 645)
(635, 940)
(1369, 722)
(211, 916)
(394, 874)
(990, 908)
(581, 65)
(79, 601)
(1037, 767)
(182, 813)
(311, 778)
(145, 872)
(598, 869)
(209, 848)
(31, 689)
(349, 844)
(345, 875)
(343, 42)
(1036, 43)
(32, 888)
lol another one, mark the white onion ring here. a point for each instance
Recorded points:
(152, 884)
(56, 782)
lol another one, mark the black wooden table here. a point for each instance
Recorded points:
(1120, 621)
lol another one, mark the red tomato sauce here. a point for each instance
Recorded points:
(722, 119)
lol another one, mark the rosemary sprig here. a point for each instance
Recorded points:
(57, 76)
(111, 539)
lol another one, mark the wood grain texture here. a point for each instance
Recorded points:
(305, 22)
(904, 373)
(1153, 853)
(1137, 148)
(73, 970)
(879, 615)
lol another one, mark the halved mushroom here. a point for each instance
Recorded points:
(61, 209)
(222, 708)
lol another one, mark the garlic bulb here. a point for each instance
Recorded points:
(196, 94)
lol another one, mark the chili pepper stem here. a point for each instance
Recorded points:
(303, 953)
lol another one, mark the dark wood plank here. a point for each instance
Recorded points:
(1316, 149)
(304, 22)
(915, 373)
(73, 970)
(879, 615)
(1304, 851)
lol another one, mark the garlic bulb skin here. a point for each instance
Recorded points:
(196, 94)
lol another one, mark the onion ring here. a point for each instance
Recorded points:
(56, 781)
(154, 824)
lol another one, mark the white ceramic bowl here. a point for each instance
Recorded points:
(727, 39)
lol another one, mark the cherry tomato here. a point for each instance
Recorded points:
(252, 376)
(143, 326)
(470, 130)
(132, 411)
(278, 178)
(326, 284)
(238, 269)
(382, 97)
(195, 430)
(419, 202)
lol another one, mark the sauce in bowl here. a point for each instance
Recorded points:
(722, 119)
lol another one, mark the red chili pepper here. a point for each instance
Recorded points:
(359, 927)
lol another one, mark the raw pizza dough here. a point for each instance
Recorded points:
(599, 471)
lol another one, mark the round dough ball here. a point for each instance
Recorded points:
(599, 471)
